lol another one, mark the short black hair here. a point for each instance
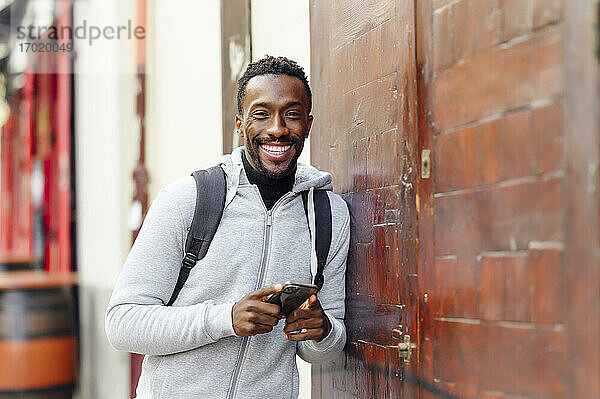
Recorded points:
(270, 65)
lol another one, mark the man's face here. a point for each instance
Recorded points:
(275, 123)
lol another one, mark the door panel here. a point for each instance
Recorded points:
(490, 104)
(363, 80)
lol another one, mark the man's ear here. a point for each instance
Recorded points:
(308, 125)
(238, 125)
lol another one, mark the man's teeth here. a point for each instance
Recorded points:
(275, 149)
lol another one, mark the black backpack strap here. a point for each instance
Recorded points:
(211, 189)
(323, 230)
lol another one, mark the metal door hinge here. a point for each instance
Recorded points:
(425, 164)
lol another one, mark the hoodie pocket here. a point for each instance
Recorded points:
(146, 388)
(295, 384)
(159, 379)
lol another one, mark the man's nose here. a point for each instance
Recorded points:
(277, 127)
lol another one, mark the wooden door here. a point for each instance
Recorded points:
(508, 106)
(363, 79)
(490, 263)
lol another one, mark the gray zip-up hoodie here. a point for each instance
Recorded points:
(191, 348)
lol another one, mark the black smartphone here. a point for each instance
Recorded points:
(292, 296)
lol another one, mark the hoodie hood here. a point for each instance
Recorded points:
(307, 176)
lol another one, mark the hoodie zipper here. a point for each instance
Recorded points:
(261, 276)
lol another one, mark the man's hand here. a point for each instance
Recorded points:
(252, 315)
(311, 318)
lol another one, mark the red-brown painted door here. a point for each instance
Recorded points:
(507, 103)
(364, 84)
(490, 263)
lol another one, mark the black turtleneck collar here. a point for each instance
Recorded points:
(270, 189)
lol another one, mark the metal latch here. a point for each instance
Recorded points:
(425, 164)
(405, 348)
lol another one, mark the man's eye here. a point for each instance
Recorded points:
(260, 114)
(293, 114)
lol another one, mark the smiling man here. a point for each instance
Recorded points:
(221, 338)
(273, 120)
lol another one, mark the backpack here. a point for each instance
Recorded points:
(211, 189)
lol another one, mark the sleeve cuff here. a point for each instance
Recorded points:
(326, 343)
(218, 321)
